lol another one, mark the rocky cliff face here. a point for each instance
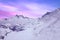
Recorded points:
(45, 28)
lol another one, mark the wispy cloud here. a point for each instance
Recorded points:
(35, 9)
(7, 9)
(29, 9)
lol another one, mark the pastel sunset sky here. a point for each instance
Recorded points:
(29, 8)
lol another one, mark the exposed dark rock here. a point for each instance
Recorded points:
(1, 37)
(3, 26)
(16, 28)
(6, 19)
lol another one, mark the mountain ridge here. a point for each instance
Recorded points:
(48, 24)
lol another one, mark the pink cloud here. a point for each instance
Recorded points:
(32, 10)
(8, 11)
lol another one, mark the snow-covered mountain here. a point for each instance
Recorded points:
(24, 28)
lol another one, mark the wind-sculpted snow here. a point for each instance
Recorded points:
(23, 28)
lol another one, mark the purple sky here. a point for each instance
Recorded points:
(25, 7)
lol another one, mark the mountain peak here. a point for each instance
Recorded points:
(58, 9)
(54, 13)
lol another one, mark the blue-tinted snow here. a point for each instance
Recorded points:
(45, 28)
